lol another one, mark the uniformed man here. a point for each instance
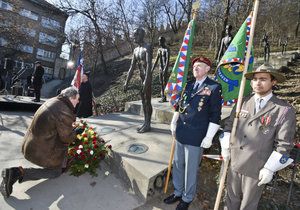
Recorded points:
(194, 124)
(264, 136)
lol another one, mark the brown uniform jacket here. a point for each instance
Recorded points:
(47, 138)
(257, 135)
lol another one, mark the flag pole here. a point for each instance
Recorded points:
(195, 9)
(238, 105)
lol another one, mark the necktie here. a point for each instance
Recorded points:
(196, 86)
(259, 104)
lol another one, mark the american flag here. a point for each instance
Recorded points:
(79, 72)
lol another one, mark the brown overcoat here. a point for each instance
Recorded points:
(47, 138)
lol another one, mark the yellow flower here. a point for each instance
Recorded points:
(85, 138)
(78, 136)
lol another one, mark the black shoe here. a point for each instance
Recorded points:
(10, 176)
(36, 100)
(172, 199)
(183, 205)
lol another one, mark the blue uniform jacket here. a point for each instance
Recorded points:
(197, 111)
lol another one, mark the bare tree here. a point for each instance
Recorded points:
(174, 13)
(93, 10)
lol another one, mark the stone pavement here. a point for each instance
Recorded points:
(69, 192)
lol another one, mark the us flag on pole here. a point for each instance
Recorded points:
(79, 72)
(177, 80)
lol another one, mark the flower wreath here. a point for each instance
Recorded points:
(86, 151)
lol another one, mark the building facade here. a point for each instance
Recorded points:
(30, 30)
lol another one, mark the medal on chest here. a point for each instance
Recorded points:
(265, 122)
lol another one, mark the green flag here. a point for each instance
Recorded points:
(230, 69)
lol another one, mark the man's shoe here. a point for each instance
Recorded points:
(172, 199)
(36, 100)
(183, 205)
(10, 176)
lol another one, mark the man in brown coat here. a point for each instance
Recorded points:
(46, 141)
(264, 137)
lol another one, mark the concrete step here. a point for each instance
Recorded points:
(162, 112)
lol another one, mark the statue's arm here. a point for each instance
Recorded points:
(220, 50)
(148, 68)
(168, 60)
(155, 62)
(130, 71)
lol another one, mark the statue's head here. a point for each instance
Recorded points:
(139, 35)
(161, 40)
(228, 29)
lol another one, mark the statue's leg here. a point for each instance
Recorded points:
(162, 85)
(144, 107)
(147, 111)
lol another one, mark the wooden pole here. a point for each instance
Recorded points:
(170, 164)
(238, 106)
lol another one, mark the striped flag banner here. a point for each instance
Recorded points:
(230, 69)
(178, 77)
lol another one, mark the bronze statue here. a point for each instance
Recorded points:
(163, 55)
(266, 45)
(142, 57)
(283, 45)
(225, 42)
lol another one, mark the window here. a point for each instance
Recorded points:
(3, 42)
(45, 55)
(50, 23)
(29, 31)
(47, 39)
(26, 48)
(29, 14)
(5, 5)
(48, 70)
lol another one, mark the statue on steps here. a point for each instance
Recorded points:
(163, 55)
(283, 45)
(225, 42)
(142, 58)
(265, 41)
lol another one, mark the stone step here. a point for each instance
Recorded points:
(162, 112)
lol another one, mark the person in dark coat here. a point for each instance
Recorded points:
(46, 141)
(85, 106)
(195, 122)
(37, 80)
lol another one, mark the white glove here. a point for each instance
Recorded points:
(174, 123)
(265, 176)
(211, 132)
(225, 142)
(275, 163)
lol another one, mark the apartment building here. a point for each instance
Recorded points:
(31, 30)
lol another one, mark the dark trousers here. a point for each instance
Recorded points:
(40, 173)
(37, 93)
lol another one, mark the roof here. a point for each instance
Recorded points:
(48, 6)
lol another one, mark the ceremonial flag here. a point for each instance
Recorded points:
(177, 80)
(230, 69)
(76, 82)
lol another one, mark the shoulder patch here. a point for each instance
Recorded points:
(283, 159)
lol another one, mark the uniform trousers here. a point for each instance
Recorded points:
(185, 167)
(242, 192)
